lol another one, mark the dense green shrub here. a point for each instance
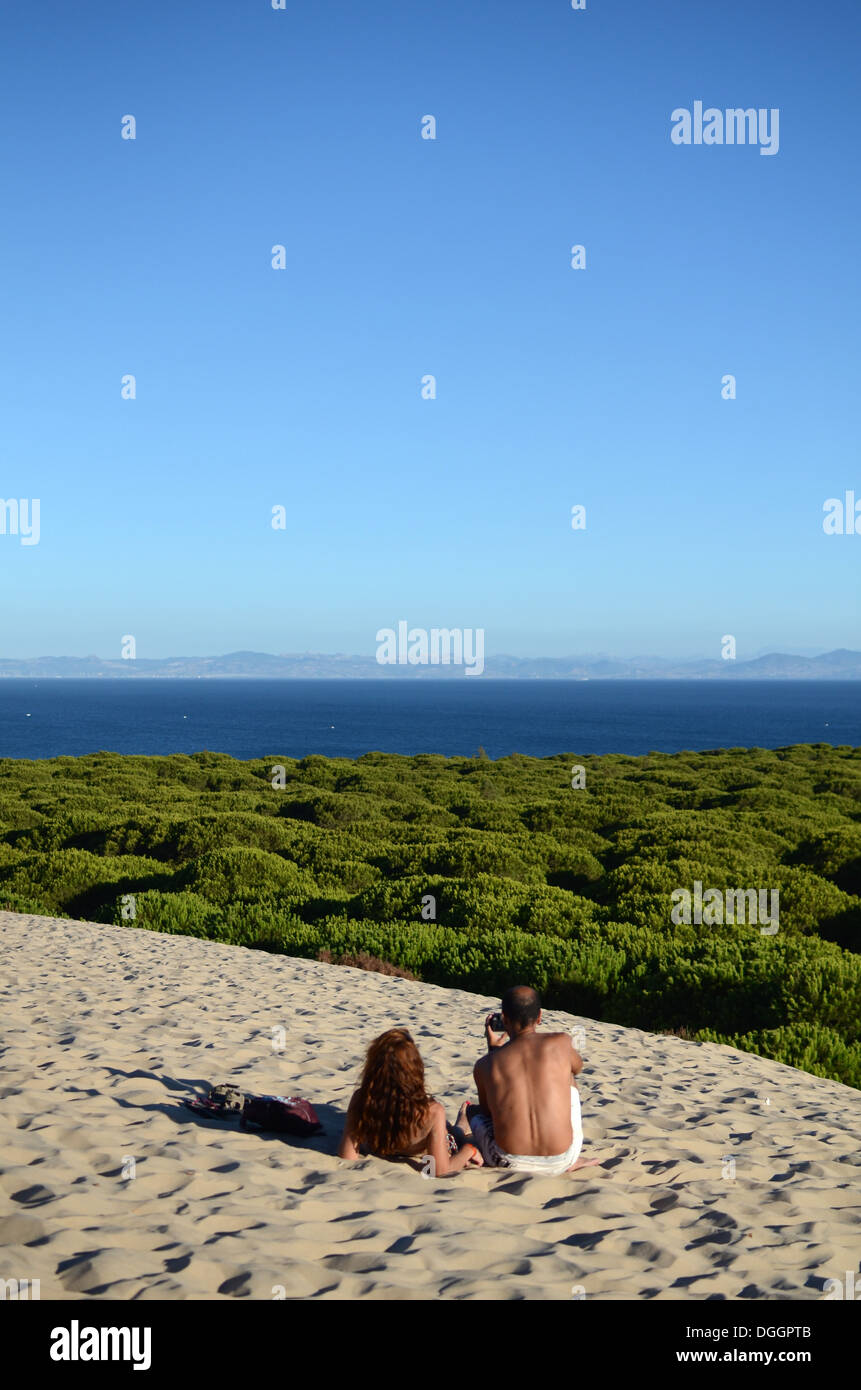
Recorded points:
(244, 875)
(76, 883)
(528, 878)
(808, 1046)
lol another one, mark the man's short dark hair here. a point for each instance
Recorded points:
(521, 1005)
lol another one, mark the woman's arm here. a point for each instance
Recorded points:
(466, 1157)
(437, 1147)
(347, 1147)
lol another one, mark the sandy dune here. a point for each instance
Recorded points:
(105, 1029)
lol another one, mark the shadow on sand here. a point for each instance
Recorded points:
(330, 1116)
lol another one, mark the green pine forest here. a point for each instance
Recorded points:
(532, 880)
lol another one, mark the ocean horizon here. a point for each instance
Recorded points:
(251, 718)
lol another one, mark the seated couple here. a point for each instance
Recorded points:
(528, 1112)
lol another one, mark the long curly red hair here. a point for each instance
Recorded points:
(392, 1104)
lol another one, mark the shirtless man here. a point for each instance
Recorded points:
(528, 1112)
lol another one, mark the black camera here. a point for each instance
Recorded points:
(496, 1024)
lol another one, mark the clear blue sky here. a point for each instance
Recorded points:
(405, 256)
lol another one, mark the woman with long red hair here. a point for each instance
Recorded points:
(391, 1115)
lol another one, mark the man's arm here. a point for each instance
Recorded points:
(576, 1061)
(493, 1039)
(478, 1076)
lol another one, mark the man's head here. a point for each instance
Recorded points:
(521, 1009)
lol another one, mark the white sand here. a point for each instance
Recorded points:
(106, 1029)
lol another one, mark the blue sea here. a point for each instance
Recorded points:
(256, 718)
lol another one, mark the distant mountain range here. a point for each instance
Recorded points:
(837, 665)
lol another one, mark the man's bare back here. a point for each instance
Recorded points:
(525, 1085)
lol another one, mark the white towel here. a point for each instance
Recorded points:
(550, 1165)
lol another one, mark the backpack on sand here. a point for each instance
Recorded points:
(283, 1114)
